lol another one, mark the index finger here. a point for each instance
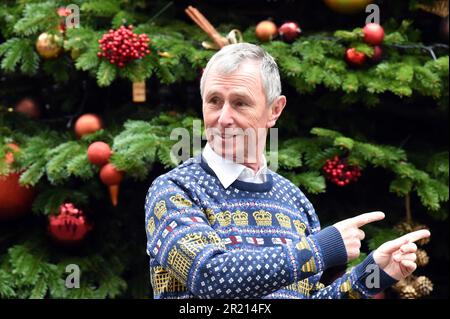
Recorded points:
(367, 218)
(417, 235)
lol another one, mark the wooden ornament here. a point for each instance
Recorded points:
(139, 92)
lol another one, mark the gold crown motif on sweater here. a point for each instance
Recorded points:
(300, 227)
(224, 218)
(210, 215)
(263, 218)
(160, 209)
(240, 218)
(151, 226)
(180, 201)
(284, 220)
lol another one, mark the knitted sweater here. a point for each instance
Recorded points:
(247, 241)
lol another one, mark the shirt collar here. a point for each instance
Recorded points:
(228, 171)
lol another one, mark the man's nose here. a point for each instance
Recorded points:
(226, 115)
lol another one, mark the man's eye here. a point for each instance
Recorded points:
(240, 104)
(214, 101)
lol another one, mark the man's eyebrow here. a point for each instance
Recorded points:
(212, 93)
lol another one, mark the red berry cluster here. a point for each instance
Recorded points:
(123, 45)
(339, 172)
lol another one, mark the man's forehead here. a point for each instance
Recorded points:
(238, 90)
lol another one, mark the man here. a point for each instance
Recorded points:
(223, 225)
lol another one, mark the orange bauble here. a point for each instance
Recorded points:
(347, 6)
(99, 153)
(28, 107)
(87, 124)
(48, 45)
(110, 175)
(266, 30)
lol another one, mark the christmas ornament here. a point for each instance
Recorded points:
(289, 31)
(377, 54)
(354, 57)
(408, 292)
(15, 200)
(122, 46)
(98, 153)
(29, 108)
(339, 172)
(207, 27)
(87, 124)
(266, 31)
(373, 34)
(112, 177)
(347, 6)
(423, 286)
(139, 92)
(63, 13)
(438, 7)
(69, 226)
(48, 45)
(422, 258)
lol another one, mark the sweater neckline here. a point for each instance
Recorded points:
(241, 185)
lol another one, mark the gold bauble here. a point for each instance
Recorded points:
(409, 292)
(423, 285)
(48, 45)
(422, 258)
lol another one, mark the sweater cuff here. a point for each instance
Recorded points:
(368, 279)
(331, 246)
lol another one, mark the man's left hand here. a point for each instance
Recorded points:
(398, 257)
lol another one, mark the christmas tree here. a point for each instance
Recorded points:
(92, 90)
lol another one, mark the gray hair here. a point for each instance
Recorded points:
(230, 57)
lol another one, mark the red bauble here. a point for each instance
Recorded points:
(28, 107)
(15, 200)
(69, 226)
(377, 54)
(123, 46)
(373, 34)
(289, 31)
(87, 124)
(266, 30)
(354, 57)
(110, 175)
(339, 172)
(98, 153)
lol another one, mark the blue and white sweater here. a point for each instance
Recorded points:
(247, 241)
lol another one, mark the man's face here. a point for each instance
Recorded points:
(235, 104)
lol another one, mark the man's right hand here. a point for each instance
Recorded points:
(352, 235)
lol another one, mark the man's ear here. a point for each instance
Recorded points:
(275, 110)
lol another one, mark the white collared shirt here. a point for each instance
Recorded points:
(228, 171)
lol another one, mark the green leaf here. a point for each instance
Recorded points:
(106, 73)
(344, 142)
